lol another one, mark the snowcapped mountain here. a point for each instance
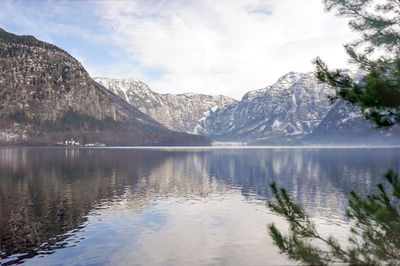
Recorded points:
(294, 110)
(181, 112)
(292, 107)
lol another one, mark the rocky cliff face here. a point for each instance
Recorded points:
(46, 95)
(293, 106)
(182, 112)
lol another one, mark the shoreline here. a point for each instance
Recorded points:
(227, 147)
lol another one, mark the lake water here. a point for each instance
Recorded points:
(132, 206)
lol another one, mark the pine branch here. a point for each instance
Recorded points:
(377, 222)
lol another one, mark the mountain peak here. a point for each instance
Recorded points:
(292, 77)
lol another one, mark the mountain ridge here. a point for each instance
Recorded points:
(47, 96)
(178, 112)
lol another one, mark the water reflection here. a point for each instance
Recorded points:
(167, 206)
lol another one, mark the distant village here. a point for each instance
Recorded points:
(72, 143)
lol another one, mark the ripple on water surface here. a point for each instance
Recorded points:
(173, 206)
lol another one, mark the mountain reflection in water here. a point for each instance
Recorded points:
(167, 206)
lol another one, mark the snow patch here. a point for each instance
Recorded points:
(276, 125)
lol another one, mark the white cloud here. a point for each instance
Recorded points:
(224, 47)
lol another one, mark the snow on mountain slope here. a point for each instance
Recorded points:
(180, 112)
(293, 106)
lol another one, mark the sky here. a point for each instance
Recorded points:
(206, 46)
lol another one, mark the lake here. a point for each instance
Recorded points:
(171, 206)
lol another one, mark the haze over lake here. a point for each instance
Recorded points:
(171, 206)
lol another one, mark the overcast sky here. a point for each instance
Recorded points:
(205, 46)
